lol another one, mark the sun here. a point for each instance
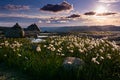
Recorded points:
(101, 9)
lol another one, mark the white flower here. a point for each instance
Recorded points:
(101, 50)
(71, 51)
(18, 45)
(50, 45)
(113, 49)
(6, 41)
(26, 58)
(19, 55)
(52, 49)
(101, 57)
(81, 51)
(59, 54)
(95, 61)
(59, 50)
(68, 47)
(17, 49)
(109, 56)
(15, 41)
(5, 55)
(44, 46)
(62, 54)
(76, 44)
(38, 49)
(6, 44)
(52, 41)
(21, 44)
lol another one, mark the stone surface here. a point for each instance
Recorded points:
(72, 62)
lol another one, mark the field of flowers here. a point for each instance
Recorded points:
(63, 57)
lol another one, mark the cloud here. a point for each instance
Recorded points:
(100, 14)
(62, 21)
(108, 1)
(16, 7)
(90, 13)
(74, 16)
(21, 15)
(48, 21)
(106, 14)
(64, 6)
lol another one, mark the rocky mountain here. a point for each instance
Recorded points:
(18, 32)
(32, 30)
(32, 27)
(15, 32)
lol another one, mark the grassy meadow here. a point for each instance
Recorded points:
(100, 59)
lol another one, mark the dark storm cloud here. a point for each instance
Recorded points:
(74, 16)
(90, 13)
(64, 6)
(106, 14)
(16, 7)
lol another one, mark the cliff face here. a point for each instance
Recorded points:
(15, 32)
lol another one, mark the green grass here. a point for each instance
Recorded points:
(44, 61)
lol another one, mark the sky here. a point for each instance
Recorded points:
(54, 13)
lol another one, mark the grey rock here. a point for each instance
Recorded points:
(73, 63)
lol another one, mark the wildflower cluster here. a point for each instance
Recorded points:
(99, 49)
(14, 45)
(98, 57)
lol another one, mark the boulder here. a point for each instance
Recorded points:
(72, 63)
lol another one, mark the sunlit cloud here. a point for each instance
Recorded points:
(109, 18)
(97, 19)
(106, 14)
(92, 13)
(102, 20)
(109, 1)
(63, 21)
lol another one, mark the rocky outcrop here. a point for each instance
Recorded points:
(18, 32)
(33, 27)
(32, 31)
(15, 32)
